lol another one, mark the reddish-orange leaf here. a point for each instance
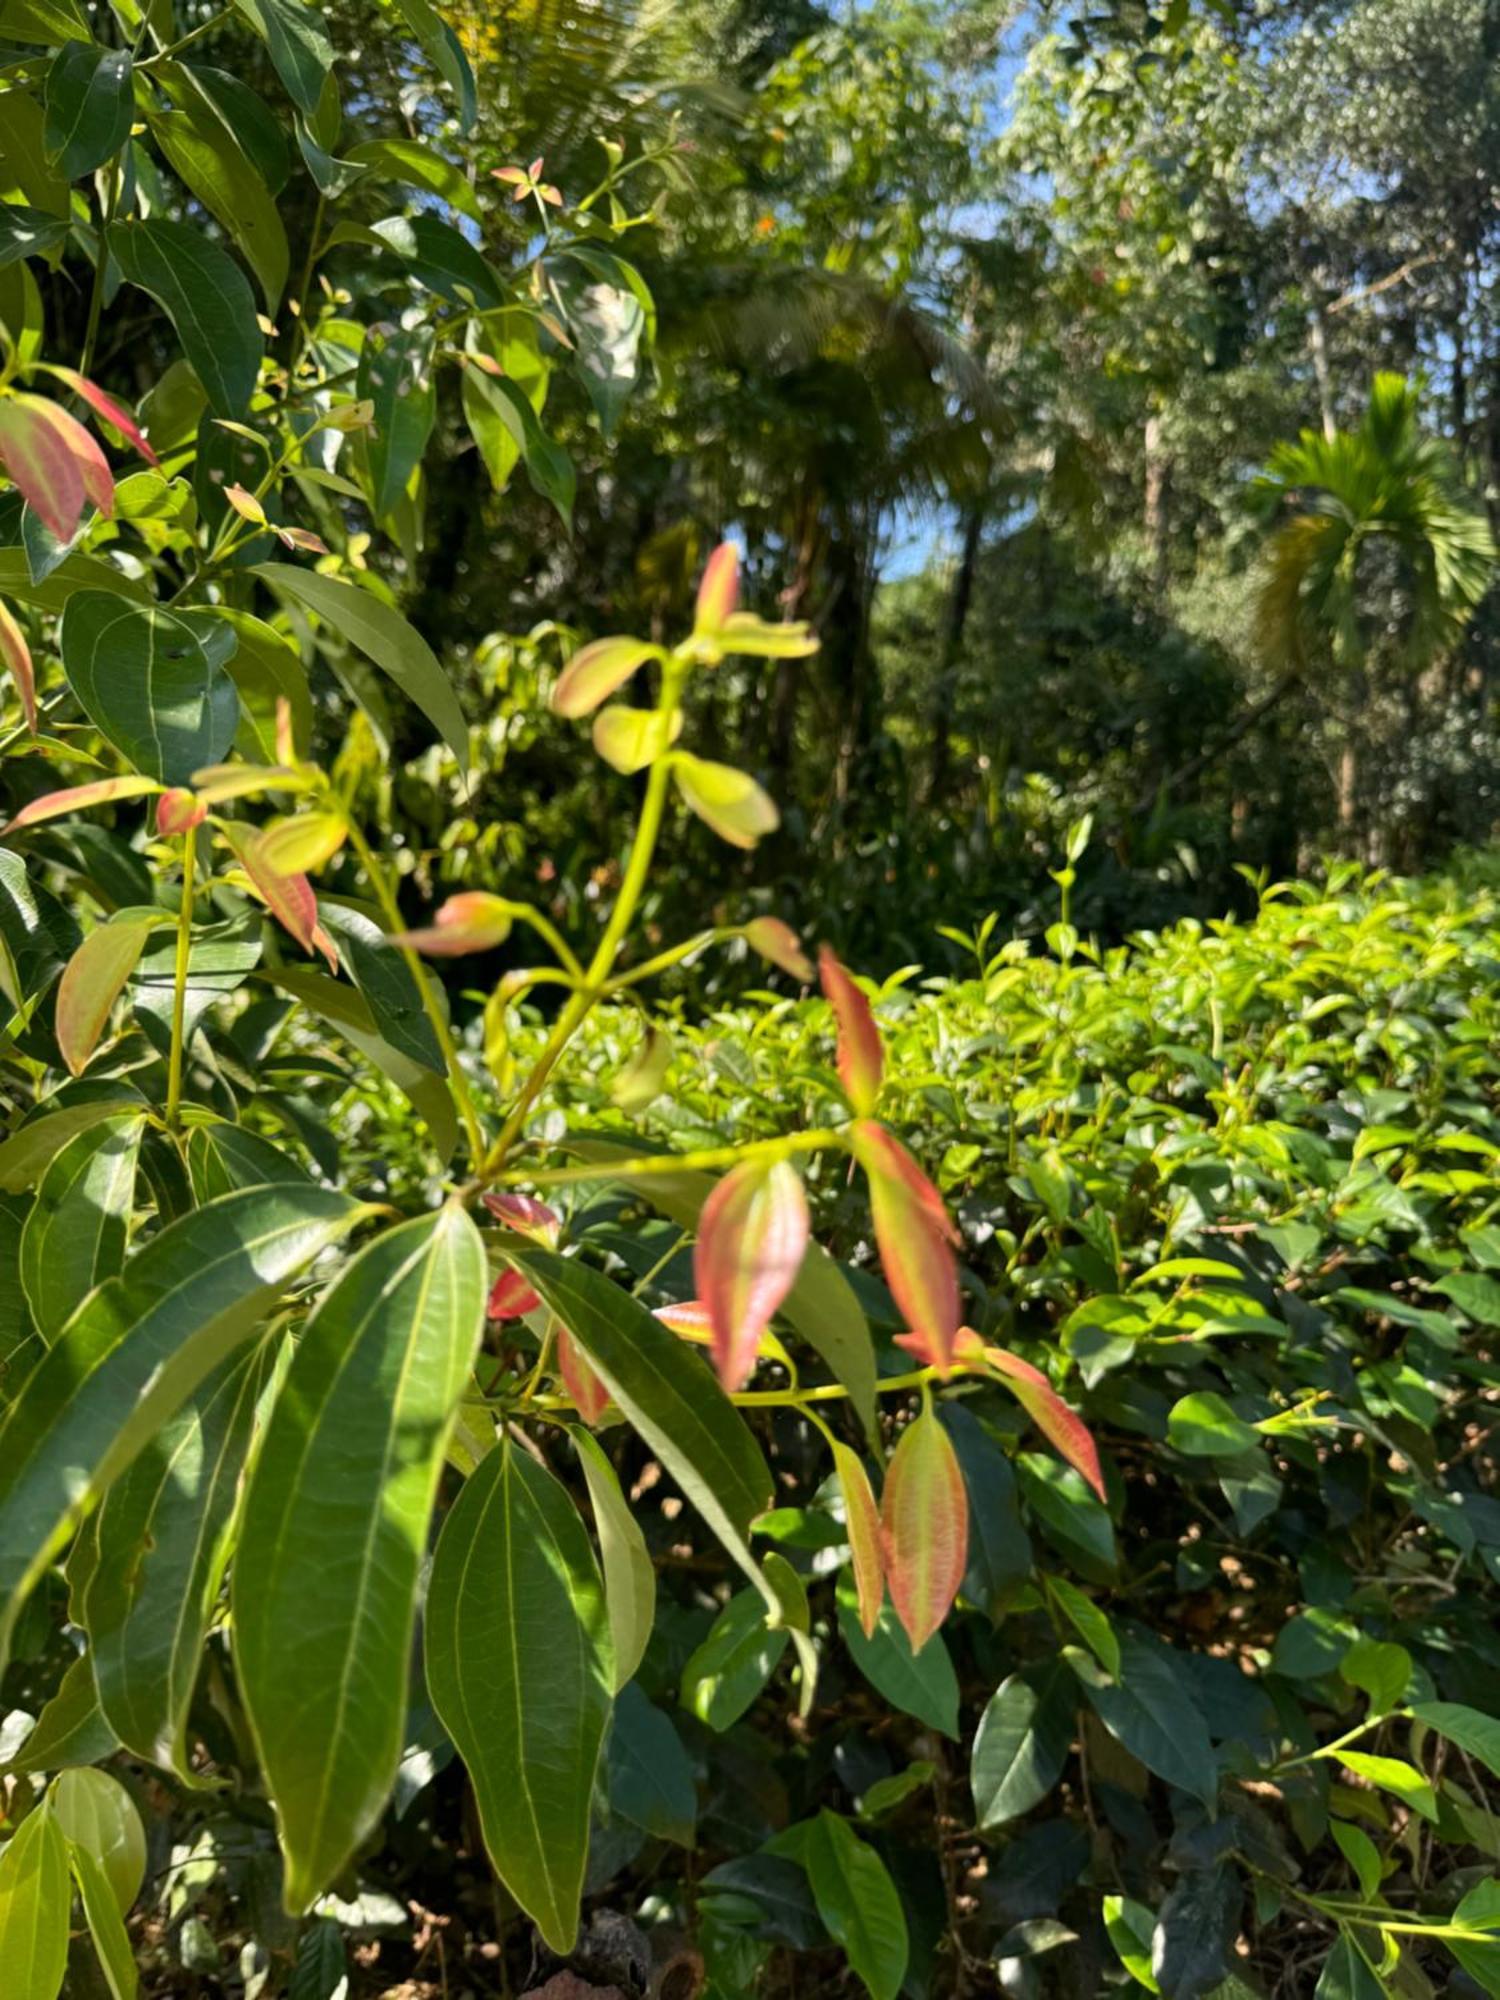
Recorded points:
(47, 474)
(862, 1519)
(16, 656)
(93, 466)
(719, 591)
(289, 898)
(92, 981)
(924, 1528)
(752, 1237)
(511, 1297)
(582, 1384)
(859, 1056)
(53, 805)
(525, 1213)
(689, 1320)
(779, 945)
(913, 1233)
(177, 810)
(104, 405)
(1060, 1425)
(470, 921)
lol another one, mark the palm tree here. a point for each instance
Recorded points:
(1375, 557)
(1374, 541)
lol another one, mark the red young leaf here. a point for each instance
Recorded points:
(689, 1321)
(93, 466)
(177, 810)
(862, 1520)
(719, 591)
(582, 1384)
(525, 1213)
(511, 1297)
(92, 981)
(15, 655)
(752, 1236)
(924, 1523)
(45, 470)
(469, 921)
(859, 1056)
(913, 1232)
(778, 944)
(1060, 1425)
(53, 805)
(104, 405)
(289, 898)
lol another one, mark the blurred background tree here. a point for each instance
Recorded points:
(977, 325)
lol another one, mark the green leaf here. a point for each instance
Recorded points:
(1195, 1932)
(135, 1350)
(999, 1547)
(335, 1529)
(1074, 1520)
(201, 151)
(386, 982)
(497, 407)
(95, 1812)
(35, 1905)
(858, 1903)
(442, 259)
(1381, 1670)
(445, 52)
(162, 1543)
(75, 1232)
(147, 684)
(322, 1968)
(1467, 1727)
(208, 299)
(650, 1773)
(1150, 1709)
(386, 638)
(396, 378)
(1204, 1426)
(265, 670)
(28, 232)
(511, 339)
(608, 317)
(1130, 1925)
(418, 166)
(1347, 1974)
(44, 21)
(665, 1392)
(89, 107)
(1362, 1855)
(1394, 1774)
(1021, 1745)
(347, 1011)
(106, 1926)
(1088, 1621)
(629, 1573)
(734, 1663)
(71, 1728)
(301, 52)
(520, 1671)
(920, 1684)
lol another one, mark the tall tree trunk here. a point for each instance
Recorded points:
(961, 596)
(1317, 347)
(1156, 522)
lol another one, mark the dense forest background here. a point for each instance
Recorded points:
(979, 326)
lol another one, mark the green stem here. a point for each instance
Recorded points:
(390, 909)
(637, 872)
(179, 976)
(800, 1399)
(708, 1159)
(101, 267)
